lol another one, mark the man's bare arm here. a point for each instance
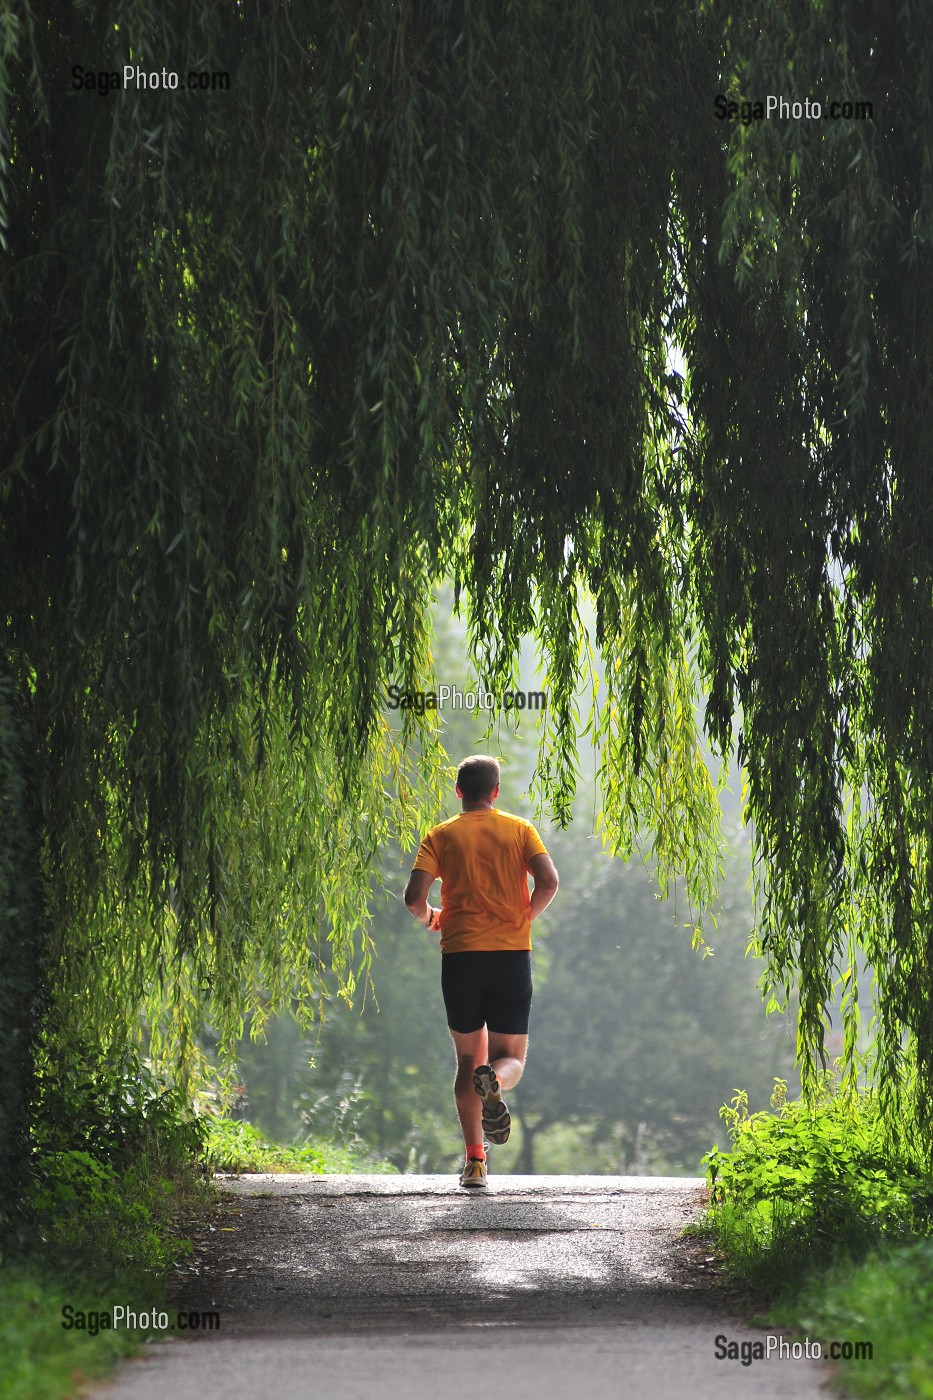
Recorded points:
(416, 898)
(544, 874)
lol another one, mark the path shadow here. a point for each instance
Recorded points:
(318, 1261)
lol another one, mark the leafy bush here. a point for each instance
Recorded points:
(115, 1176)
(236, 1146)
(113, 1108)
(831, 1163)
(114, 1162)
(93, 1219)
(808, 1183)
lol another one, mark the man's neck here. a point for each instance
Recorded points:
(485, 806)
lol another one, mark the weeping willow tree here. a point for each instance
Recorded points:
(411, 290)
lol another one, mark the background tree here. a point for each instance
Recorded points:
(401, 303)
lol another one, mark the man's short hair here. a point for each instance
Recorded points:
(478, 777)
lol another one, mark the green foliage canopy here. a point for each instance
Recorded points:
(402, 303)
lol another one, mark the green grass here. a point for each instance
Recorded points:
(233, 1145)
(39, 1359)
(886, 1300)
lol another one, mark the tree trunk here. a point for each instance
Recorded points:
(23, 960)
(525, 1166)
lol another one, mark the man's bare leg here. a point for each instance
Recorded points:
(507, 1055)
(472, 1050)
(504, 1070)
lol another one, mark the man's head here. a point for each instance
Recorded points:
(478, 778)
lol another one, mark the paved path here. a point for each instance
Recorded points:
(405, 1288)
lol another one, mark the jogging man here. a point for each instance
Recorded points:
(483, 858)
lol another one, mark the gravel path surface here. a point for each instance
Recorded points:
(406, 1288)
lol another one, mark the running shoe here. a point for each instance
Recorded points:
(473, 1174)
(497, 1121)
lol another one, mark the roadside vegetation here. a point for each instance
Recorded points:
(233, 1145)
(121, 1173)
(825, 1217)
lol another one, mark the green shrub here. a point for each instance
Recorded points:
(41, 1360)
(829, 1163)
(114, 1166)
(93, 1220)
(233, 1145)
(111, 1107)
(818, 1212)
(808, 1183)
(115, 1177)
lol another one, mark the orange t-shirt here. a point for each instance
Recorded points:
(482, 860)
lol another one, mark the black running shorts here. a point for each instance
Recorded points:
(487, 989)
